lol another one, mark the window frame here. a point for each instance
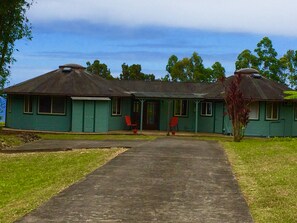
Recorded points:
(211, 108)
(258, 111)
(29, 103)
(180, 112)
(51, 108)
(118, 106)
(277, 110)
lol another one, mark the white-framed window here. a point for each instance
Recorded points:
(254, 110)
(272, 110)
(116, 106)
(8, 103)
(206, 109)
(51, 105)
(180, 107)
(28, 104)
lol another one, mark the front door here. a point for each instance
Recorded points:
(151, 115)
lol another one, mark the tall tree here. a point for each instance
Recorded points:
(191, 69)
(265, 60)
(14, 25)
(198, 72)
(133, 72)
(217, 72)
(100, 69)
(288, 64)
(268, 64)
(246, 60)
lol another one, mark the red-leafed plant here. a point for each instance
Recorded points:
(237, 107)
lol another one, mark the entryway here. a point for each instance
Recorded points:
(151, 114)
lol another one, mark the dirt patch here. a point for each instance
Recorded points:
(29, 137)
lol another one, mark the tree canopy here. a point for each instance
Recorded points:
(192, 70)
(133, 72)
(14, 25)
(100, 69)
(266, 60)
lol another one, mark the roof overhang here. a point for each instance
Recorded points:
(90, 98)
(167, 95)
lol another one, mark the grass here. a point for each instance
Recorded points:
(95, 137)
(267, 173)
(27, 180)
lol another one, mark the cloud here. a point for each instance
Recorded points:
(251, 16)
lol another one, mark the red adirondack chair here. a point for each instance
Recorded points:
(132, 126)
(173, 123)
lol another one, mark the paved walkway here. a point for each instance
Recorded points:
(165, 180)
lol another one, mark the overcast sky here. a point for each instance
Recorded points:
(149, 32)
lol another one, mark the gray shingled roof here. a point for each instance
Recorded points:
(73, 80)
(68, 80)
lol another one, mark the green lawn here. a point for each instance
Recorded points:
(27, 180)
(95, 137)
(267, 174)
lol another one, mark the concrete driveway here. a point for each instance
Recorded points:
(165, 180)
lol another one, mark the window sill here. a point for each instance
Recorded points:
(28, 113)
(54, 114)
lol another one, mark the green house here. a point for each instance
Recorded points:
(69, 99)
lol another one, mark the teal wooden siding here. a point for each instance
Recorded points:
(19, 120)
(90, 116)
(284, 126)
(117, 122)
(95, 116)
(187, 123)
(218, 117)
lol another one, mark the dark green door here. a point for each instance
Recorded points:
(89, 116)
(151, 115)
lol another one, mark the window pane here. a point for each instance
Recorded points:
(209, 108)
(114, 106)
(28, 104)
(118, 106)
(184, 107)
(45, 104)
(177, 107)
(275, 111)
(58, 105)
(254, 110)
(203, 108)
(268, 110)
